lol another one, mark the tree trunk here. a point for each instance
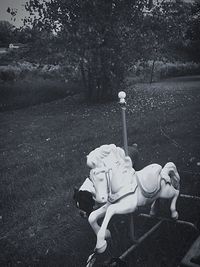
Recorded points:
(150, 4)
(152, 71)
(102, 74)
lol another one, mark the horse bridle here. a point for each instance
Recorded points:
(107, 176)
(113, 198)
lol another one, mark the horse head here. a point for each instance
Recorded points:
(99, 178)
(111, 171)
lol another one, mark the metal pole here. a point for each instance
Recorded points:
(190, 197)
(163, 219)
(139, 242)
(122, 102)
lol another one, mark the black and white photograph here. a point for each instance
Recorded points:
(100, 133)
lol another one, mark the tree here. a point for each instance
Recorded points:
(192, 45)
(6, 33)
(163, 32)
(94, 32)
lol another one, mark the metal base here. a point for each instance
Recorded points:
(192, 258)
(149, 233)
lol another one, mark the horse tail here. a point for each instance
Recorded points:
(170, 174)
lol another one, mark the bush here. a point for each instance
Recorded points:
(27, 70)
(178, 69)
(15, 71)
(7, 75)
(141, 70)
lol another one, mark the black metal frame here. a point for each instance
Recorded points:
(156, 226)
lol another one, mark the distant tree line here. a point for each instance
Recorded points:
(105, 37)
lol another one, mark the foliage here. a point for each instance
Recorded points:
(6, 31)
(27, 70)
(192, 45)
(93, 32)
(24, 83)
(140, 71)
(162, 36)
(102, 40)
(178, 69)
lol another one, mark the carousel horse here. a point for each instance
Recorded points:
(123, 189)
(85, 196)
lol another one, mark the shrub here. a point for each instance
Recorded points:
(141, 70)
(15, 71)
(178, 69)
(27, 70)
(7, 75)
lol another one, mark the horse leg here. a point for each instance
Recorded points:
(155, 207)
(169, 192)
(174, 213)
(94, 216)
(126, 205)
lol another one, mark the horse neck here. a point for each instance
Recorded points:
(119, 180)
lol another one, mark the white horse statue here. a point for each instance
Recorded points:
(123, 189)
(84, 196)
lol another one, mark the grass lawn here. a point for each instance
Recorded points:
(33, 90)
(43, 156)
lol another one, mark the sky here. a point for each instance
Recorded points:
(21, 12)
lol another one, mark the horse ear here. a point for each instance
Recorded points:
(135, 145)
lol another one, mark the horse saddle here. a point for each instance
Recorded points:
(149, 180)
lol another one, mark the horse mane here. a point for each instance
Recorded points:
(108, 156)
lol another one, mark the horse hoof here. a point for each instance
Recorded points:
(102, 248)
(91, 260)
(108, 234)
(175, 215)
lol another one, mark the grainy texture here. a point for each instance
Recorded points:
(43, 156)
